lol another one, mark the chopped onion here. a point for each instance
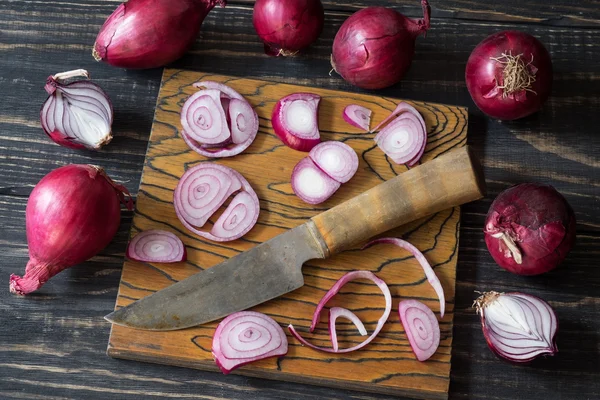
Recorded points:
(429, 272)
(203, 189)
(358, 116)
(156, 246)
(350, 276)
(311, 184)
(336, 159)
(245, 337)
(421, 327)
(295, 120)
(334, 314)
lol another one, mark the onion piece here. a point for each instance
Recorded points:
(216, 151)
(334, 314)
(402, 139)
(156, 246)
(244, 121)
(350, 276)
(228, 91)
(429, 272)
(245, 337)
(295, 120)
(336, 159)
(203, 117)
(421, 327)
(358, 116)
(311, 184)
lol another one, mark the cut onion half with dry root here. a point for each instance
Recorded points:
(203, 189)
(358, 116)
(156, 246)
(78, 115)
(295, 120)
(311, 184)
(245, 337)
(421, 327)
(336, 159)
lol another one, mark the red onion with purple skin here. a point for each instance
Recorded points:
(151, 33)
(509, 75)
(530, 229)
(287, 26)
(375, 46)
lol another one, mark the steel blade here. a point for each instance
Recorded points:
(266, 271)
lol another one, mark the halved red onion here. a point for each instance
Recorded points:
(156, 246)
(350, 276)
(517, 326)
(245, 337)
(203, 117)
(421, 327)
(77, 115)
(358, 116)
(336, 159)
(296, 120)
(429, 272)
(334, 314)
(311, 184)
(203, 189)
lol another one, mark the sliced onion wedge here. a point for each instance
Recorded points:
(429, 272)
(402, 139)
(350, 276)
(156, 246)
(295, 120)
(311, 184)
(421, 327)
(358, 116)
(245, 337)
(334, 314)
(203, 117)
(336, 159)
(203, 189)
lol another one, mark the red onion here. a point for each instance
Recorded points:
(517, 326)
(245, 337)
(77, 115)
(530, 229)
(156, 246)
(72, 214)
(295, 120)
(287, 26)
(421, 327)
(429, 273)
(151, 33)
(336, 159)
(203, 117)
(405, 138)
(509, 75)
(203, 189)
(350, 276)
(357, 116)
(334, 314)
(375, 46)
(311, 184)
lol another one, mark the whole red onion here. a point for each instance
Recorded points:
(151, 33)
(530, 229)
(72, 214)
(287, 26)
(375, 46)
(509, 75)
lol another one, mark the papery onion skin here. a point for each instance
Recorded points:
(72, 214)
(374, 48)
(136, 247)
(151, 33)
(287, 26)
(536, 219)
(484, 74)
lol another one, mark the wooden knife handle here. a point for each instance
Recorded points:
(447, 181)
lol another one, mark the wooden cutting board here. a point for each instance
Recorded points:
(387, 365)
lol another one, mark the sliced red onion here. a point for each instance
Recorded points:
(429, 272)
(402, 139)
(156, 246)
(203, 189)
(245, 337)
(295, 120)
(358, 116)
(334, 314)
(216, 151)
(311, 184)
(228, 91)
(244, 121)
(77, 115)
(421, 327)
(517, 326)
(336, 159)
(350, 276)
(203, 117)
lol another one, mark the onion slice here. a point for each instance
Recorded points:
(402, 139)
(350, 276)
(421, 327)
(358, 116)
(245, 337)
(336, 159)
(429, 272)
(203, 117)
(334, 314)
(311, 184)
(156, 246)
(295, 120)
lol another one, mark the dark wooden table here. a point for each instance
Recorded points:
(52, 343)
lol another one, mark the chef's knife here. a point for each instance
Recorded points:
(274, 268)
